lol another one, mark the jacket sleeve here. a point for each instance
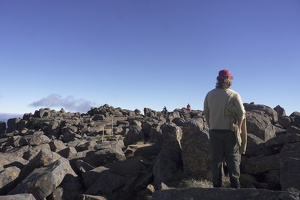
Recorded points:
(206, 110)
(235, 110)
(241, 114)
(240, 107)
(243, 136)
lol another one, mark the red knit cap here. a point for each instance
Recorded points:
(224, 74)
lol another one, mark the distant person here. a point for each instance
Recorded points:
(165, 111)
(188, 107)
(225, 128)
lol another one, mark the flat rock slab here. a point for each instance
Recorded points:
(218, 194)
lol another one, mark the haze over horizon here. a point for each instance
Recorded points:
(146, 53)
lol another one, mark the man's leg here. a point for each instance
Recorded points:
(217, 157)
(233, 159)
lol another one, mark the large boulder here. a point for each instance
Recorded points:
(2, 127)
(43, 181)
(255, 146)
(260, 126)
(262, 110)
(104, 156)
(295, 119)
(134, 135)
(169, 161)
(12, 124)
(290, 170)
(7, 177)
(280, 111)
(196, 152)
(130, 175)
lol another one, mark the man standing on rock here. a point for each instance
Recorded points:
(223, 131)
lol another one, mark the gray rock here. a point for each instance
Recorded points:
(196, 152)
(217, 194)
(25, 196)
(260, 126)
(290, 171)
(169, 160)
(43, 181)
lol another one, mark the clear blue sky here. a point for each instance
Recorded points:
(79, 54)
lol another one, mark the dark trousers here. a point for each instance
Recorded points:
(225, 147)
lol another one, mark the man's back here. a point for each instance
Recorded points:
(214, 105)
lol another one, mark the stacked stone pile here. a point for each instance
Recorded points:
(114, 153)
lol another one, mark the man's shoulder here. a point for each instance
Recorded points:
(231, 90)
(211, 91)
(233, 93)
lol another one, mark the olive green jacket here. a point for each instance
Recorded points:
(232, 113)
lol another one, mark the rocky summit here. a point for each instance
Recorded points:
(114, 153)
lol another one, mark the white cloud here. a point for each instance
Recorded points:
(68, 103)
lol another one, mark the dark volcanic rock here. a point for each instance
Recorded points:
(120, 154)
(221, 194)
